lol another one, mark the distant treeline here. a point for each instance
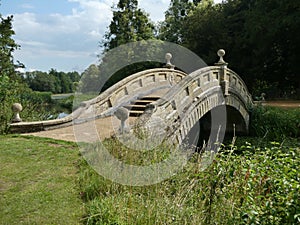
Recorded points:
(53, 81)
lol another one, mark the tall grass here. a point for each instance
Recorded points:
(246, 184)
(275, 123)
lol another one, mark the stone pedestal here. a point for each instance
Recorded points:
(122, 114)
(17, 108)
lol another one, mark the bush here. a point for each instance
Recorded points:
(274, 122)
(65, 104)
(9, 94)
(43, 98)
(36, 105)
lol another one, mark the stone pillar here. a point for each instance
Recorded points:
(17, 108)
(224, 83)
(168, 63)
(122, 114)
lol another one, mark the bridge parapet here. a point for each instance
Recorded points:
(238, 87)
(198, 93)
(190, 89)
(231, 80)
(106, 103)
(131, 88)
(198, 82)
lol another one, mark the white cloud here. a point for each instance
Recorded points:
(62, 36)
(27, 6)
(48, 40)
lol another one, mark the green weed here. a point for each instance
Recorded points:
(246, 184)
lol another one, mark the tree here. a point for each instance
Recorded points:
(129, 24)
(171, 28)
(54, 81)
(89, 82)
(260, 36)
(41, 81)
(10, 88)
(7, 47)
(272, 30)
(63, 81)
(203, 31)
(74, 76)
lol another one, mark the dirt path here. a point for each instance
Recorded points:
(283, 104)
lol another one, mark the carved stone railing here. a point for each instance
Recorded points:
(131, 88)
(183, 105)
(128, 89)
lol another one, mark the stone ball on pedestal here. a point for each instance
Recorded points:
(16, 108)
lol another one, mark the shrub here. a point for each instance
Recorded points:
(274, 122)
(43, 98)
(36, 105)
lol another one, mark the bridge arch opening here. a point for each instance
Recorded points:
(236, 124)
(208, 129)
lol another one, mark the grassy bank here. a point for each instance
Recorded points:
(255, 183)
(38, 181)
(252, 181)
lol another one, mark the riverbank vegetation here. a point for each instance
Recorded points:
(254, 181)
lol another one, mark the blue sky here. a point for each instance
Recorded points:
(65, 34)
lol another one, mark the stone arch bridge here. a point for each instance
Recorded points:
(169, 96)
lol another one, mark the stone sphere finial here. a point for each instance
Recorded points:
(168, 58)
(122, 113)
(221, 53)
(17, 108)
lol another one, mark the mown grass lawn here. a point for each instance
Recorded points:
(38, 181)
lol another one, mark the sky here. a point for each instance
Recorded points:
(65, 34)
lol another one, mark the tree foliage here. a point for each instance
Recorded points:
(7, 47)
(171, 28)
(54, 81)
(129, 23)
(12, 89)
(89, 82)
(129, 30)
(260, 36)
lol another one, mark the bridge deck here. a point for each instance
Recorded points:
(106, 127)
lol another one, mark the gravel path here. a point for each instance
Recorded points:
(283, 104)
